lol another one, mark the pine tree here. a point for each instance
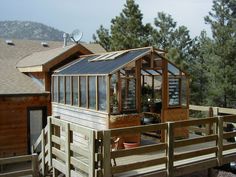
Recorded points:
(175, 40)
(222, 87)
(103, 38)
(127, 30)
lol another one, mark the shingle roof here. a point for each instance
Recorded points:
(86, 66)
(43, 57)
(12, 81)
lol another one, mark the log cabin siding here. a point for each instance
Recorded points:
(13, 122)
(85, 117)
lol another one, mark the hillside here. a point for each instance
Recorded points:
(29, 30)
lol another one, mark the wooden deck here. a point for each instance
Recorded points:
(207, 148)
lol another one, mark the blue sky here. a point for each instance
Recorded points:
(88, 15)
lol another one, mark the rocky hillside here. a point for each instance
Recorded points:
(29, 30)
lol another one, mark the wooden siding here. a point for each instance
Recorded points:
(13, 122)
(81, 116)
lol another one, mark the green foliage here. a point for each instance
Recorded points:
(175, 40)
(127, 30)
(211, 62)
(222, 71)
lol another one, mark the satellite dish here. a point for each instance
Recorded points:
(76, 36)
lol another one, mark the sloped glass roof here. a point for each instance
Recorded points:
(85, 66)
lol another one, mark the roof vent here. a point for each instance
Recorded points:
(9, 42)
(44, 44)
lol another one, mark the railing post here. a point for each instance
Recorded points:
(170, 150)
(34, 165)
(106, 153)
(92, 153)
(43, 152)
(209, 126)
(220, 140)
(49, 141)
(67, 149)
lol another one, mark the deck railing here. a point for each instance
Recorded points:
(63, 149)
(61, 152)
(32, 170)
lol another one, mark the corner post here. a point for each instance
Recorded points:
(67, 149)
(34, 165)
(49, 141)
(43, 151)
(170, 150)
(107, 153)
(220, 140)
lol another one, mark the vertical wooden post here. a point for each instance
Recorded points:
(170, 149)
(67, 149)
(210, 114)
(97, 94)
(34, 164)
(220, 140)
(43, 151)
(138, 85)
(49, 141)
(108, 94)
(92, 153)
(107, 153)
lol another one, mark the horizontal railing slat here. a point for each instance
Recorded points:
(61, 155)
(194, 153)
(229, 146)
(138, 150)
(230, 118)
(58, 140)
(77, 149)
(192, 141)
(186, 123)
(80, 164)
(17, 173)
(138, 129)
(229, 135)
(137, 165)
(10, 160)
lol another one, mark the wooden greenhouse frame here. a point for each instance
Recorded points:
(103, 91)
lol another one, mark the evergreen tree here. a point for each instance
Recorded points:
(199, 69)
(127, 30)
(103, 38)
(222, 68)
(175, 40)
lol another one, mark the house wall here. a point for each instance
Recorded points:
(13, 122)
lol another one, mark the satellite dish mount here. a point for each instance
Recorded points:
(76, 36)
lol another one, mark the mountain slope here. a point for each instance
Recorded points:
(29, 30)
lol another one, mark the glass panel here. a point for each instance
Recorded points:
(102, 93)
(128, 94)
(61, 89)
(114, 94)
(36, 125)
(75, 90)
(83, 91)
(92, 92)
(184, 91)
(55, 89)
(174, 92)
(68, 91)
(173, 70)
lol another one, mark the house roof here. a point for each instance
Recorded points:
(12, 81)
(44, 60)
(85, 65)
